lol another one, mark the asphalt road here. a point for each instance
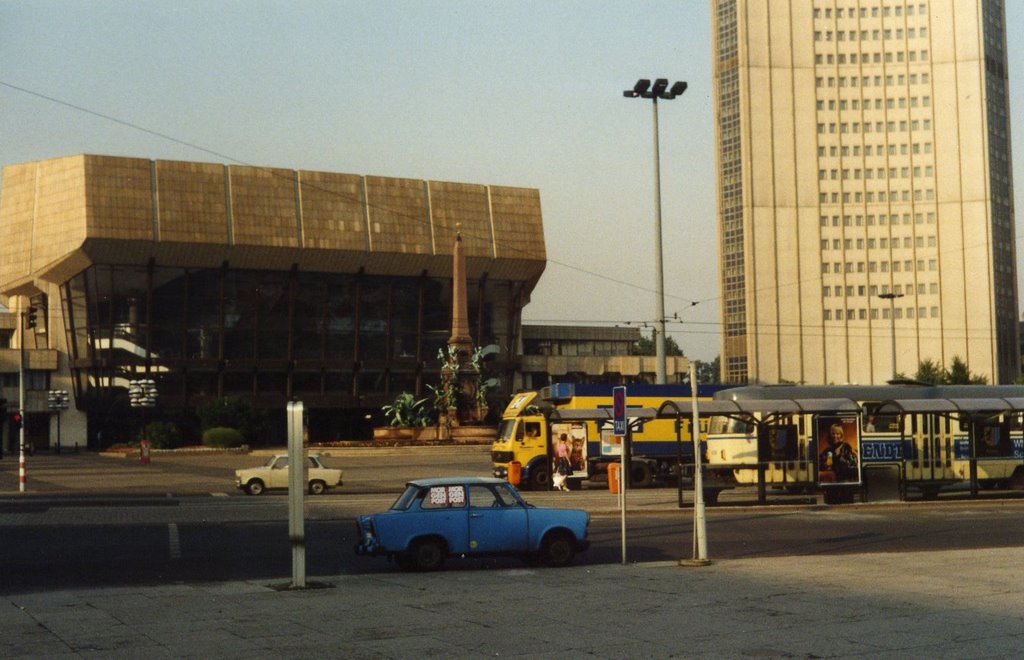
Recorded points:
(68, 543)
(369, 470)
(95, 520)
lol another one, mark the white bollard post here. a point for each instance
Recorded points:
(296, 494)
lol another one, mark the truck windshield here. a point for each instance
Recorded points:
(507, 430)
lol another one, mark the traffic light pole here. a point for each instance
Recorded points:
(21, 407)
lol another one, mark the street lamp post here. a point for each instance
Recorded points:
(660, 90)
(891, 297)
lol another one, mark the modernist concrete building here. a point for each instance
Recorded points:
(590, 354)
(233, 281)
(865, 194)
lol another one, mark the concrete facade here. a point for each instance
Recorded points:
(863, 149)
(267, 284)
(590, 354)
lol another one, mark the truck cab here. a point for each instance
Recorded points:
(523, 438)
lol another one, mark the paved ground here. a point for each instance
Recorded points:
(899, 605)
(944, 604)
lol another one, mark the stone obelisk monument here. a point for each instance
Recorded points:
(466, 377)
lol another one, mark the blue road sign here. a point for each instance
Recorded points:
(619, 410)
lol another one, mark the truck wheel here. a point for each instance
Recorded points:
(317, 487)
(540, 477)
(641, 475)
(558, 549)
(427, 555)
(254, 487)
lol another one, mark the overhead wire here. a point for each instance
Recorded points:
(804, 328)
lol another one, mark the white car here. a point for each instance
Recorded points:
(274, 474)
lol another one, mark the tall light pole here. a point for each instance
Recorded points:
(891, 297)
(660, 90)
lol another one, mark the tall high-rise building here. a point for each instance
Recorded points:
(864, 189)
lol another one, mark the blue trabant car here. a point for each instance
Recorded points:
(442, 517)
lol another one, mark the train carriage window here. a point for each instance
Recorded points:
(730, 425)
(993, 440)
(875, 423)
(781, 443)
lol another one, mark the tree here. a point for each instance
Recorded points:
(930, 372)
(709, 372)
(645, 346)
(960, 374)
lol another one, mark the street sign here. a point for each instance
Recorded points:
(619, 410)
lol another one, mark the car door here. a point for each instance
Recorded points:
(279, 473)
(498, 522)
(441, 510)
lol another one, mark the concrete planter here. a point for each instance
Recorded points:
(397, 434)
(416, 435)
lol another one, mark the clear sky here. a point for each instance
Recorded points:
(525, 93)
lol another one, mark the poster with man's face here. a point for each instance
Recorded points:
(838, 443)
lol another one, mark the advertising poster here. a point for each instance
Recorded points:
(838, 450)
(573, 437)
(611, 444)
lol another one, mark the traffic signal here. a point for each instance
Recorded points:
(16, 421)
(31, 316)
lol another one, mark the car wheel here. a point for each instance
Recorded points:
(427, 554)
(558, 548)
(540, 477)
(254, 487)
(317, 487)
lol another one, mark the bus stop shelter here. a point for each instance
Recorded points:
(761, 414)
(969, 412)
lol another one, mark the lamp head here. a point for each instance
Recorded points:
(639, 89)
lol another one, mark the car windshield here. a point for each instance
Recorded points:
(504, 494)
(270, 461)
(406, 499)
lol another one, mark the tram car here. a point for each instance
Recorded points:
(834, 438)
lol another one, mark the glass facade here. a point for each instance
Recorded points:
(344, 344)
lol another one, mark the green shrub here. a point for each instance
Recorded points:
(407, 411)
(231, 412)
(222, 436)
(162, 435)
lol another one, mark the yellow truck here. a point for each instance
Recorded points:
(527, 436)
